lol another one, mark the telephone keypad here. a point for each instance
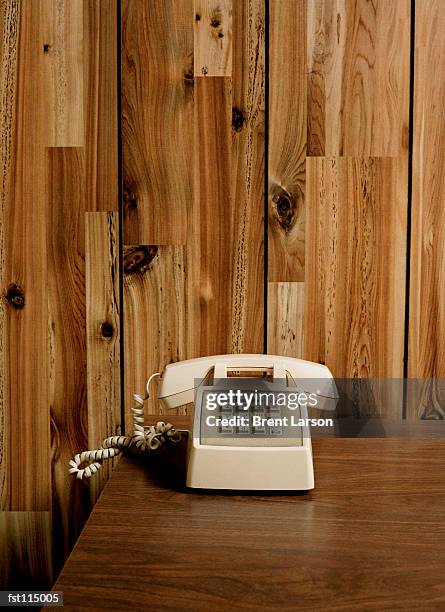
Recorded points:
(255, 421)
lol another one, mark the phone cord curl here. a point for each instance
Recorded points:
(145, 438)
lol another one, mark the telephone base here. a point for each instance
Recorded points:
(250, 468)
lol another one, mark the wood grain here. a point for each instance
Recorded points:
(358, 77)
(248, 109)
(426, 360)
(427, 303)
(102, 334)
(212, 244)
(213, 38)
(59, 86)
(156, 316)
(9, 24)
(24, 476)
(355, 266)
(287, 140)
(67, 323)
(157, 120)
(62, 25)
(316, 84)
(285, 329)
(25, 550)
(366, 538)
(101, 97)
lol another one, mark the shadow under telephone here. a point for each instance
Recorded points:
(242, 446)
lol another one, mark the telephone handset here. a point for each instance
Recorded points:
(250, 425)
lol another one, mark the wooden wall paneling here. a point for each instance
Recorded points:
(156, 318)
(63, 61)
(358, 64)
(287, 140)
(220, 291)
(426, 354)
(67, 324)
(25, 551)
(157, 120)
(79, 179)
(285, 332)
(358, 77)
(102, 334)
(248, 91)
(355, 267)
(213, 37)
(24, 476)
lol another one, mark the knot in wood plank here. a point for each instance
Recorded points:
(237, 119)
(129, 200)
(285, 209)
(137, 259)
(15, 296)
(106, 329)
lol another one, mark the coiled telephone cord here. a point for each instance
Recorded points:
(145, 438)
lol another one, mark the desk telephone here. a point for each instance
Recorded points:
(250, 424)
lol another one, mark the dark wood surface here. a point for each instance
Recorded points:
(368, 537)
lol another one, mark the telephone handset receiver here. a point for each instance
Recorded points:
(243, 446)
(178, 382)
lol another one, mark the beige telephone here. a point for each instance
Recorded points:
(250, 423)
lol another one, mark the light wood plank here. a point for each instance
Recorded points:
(65, 218)
(355, 266)
(287, 140)
(24, 476)
(156, 318)
(157, 120)
(248, 84)
(358, 84)
(426, 356)
(25, 551)
(9, 40)
(316, 92)
(285, 331)
(211, 243)
(63, 77)
(213, 38)
(102, 334)
(101, 97)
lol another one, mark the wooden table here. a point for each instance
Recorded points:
(370, 536)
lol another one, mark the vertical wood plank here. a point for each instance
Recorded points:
(285, 331)
(426, 354)
(9, 40)
(25, 476)
(25, 550)
(287, 140)
(156, 317)
(355, 274)
(358, 60)
(103, 334)
(100, 114)
(248, 85)
(67, 323)
(63, 76)
(316, 83)
(157, 120)
(212, 240)
(213, 38)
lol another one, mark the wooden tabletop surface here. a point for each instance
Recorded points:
(370, 536)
